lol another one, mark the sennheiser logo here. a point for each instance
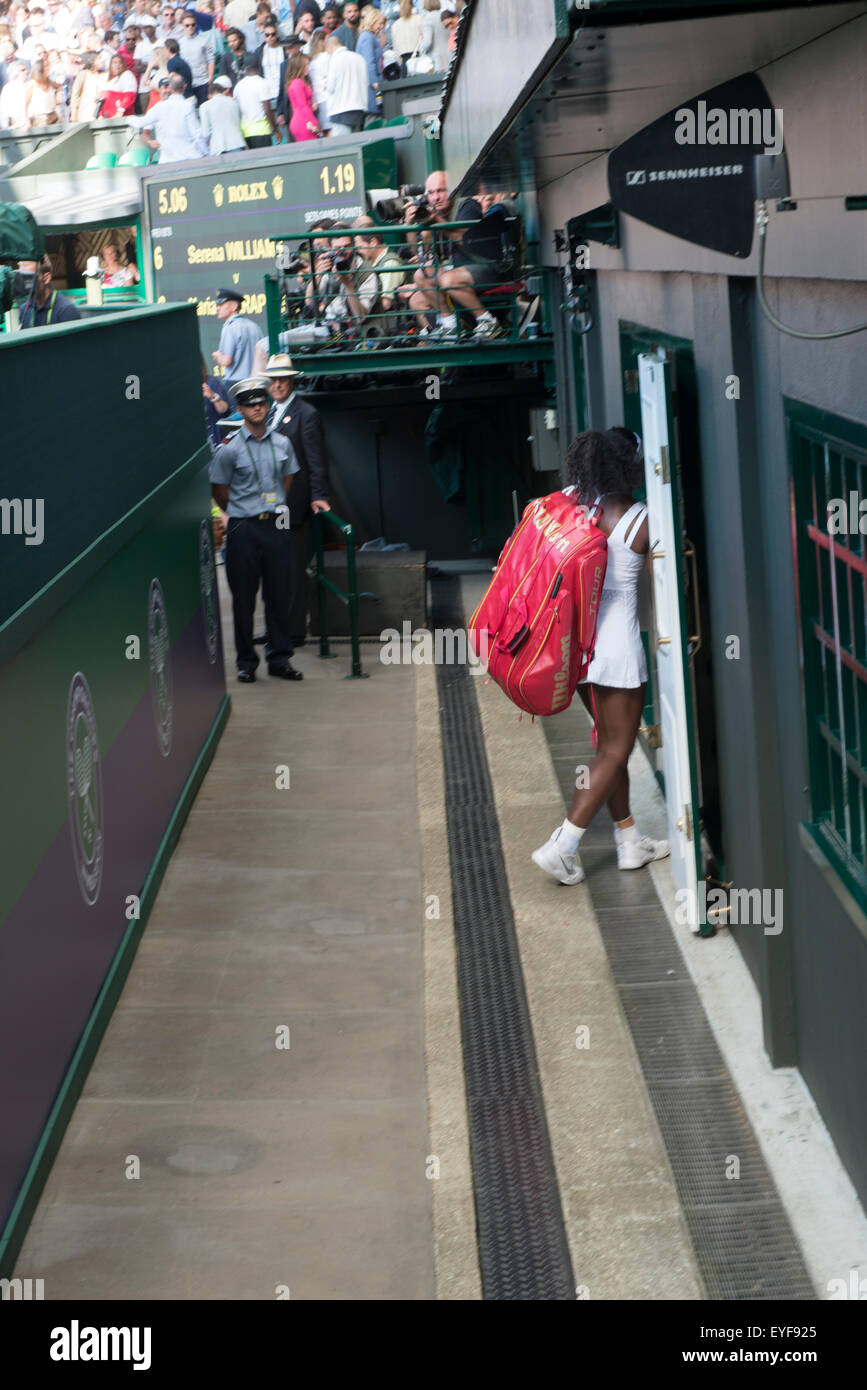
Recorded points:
(84, 787)
(77, 1343)
(634, 176)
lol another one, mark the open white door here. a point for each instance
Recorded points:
(670, 639)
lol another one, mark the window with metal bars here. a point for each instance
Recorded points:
(829, 471)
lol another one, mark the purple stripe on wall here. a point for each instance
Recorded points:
(55, 950)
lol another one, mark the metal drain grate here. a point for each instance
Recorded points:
(743, 1242)
(523, 1250)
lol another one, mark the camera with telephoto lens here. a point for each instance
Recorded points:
(410, 195)
(16, 286)
(290, 262)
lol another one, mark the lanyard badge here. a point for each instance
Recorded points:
(269, 498)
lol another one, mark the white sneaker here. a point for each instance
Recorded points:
(488, 327)
(566, 868)
(634, 854)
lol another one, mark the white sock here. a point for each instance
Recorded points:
(627, 834)
(448, 321)
(569, 838)
(485, 317)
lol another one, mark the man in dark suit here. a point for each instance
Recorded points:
(301, 423)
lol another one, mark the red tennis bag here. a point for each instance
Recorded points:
(536, 626)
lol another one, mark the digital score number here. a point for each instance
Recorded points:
(337, 178)
(172, 199)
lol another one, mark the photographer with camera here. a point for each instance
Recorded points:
(448, 264)
(389, 270)
(425, 210)
(341, 292)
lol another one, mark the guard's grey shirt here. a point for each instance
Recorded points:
(238, 340)
(253, 467)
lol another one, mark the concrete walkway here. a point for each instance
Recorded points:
(264, 1167)
(207, 1159)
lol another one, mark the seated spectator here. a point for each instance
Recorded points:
(117, 272)
(119, 92)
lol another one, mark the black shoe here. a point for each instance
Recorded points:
(286, 673)
(247, 677)
(263, 637)
(298, 641)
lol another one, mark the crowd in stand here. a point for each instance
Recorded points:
(253, 75)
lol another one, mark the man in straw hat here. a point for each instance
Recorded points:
(251, 474)
(301, 424)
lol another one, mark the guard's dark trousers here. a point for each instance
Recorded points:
(259, 550)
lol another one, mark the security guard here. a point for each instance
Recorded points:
(250, 479)
(238, 338)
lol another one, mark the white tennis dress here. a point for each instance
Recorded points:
(619, 659)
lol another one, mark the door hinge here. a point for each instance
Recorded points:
(630, 383)
(685, 822)
(664, 455)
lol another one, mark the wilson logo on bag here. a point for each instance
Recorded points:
(537, 621)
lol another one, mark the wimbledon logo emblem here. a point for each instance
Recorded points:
(84, 785)
(208, 584)
(161, 667)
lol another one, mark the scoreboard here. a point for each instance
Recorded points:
(206, 230)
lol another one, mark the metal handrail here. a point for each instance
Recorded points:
(351, 597)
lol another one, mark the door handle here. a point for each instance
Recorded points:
(689, 554)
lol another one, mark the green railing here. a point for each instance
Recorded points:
(350, 598)
(300, 303)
